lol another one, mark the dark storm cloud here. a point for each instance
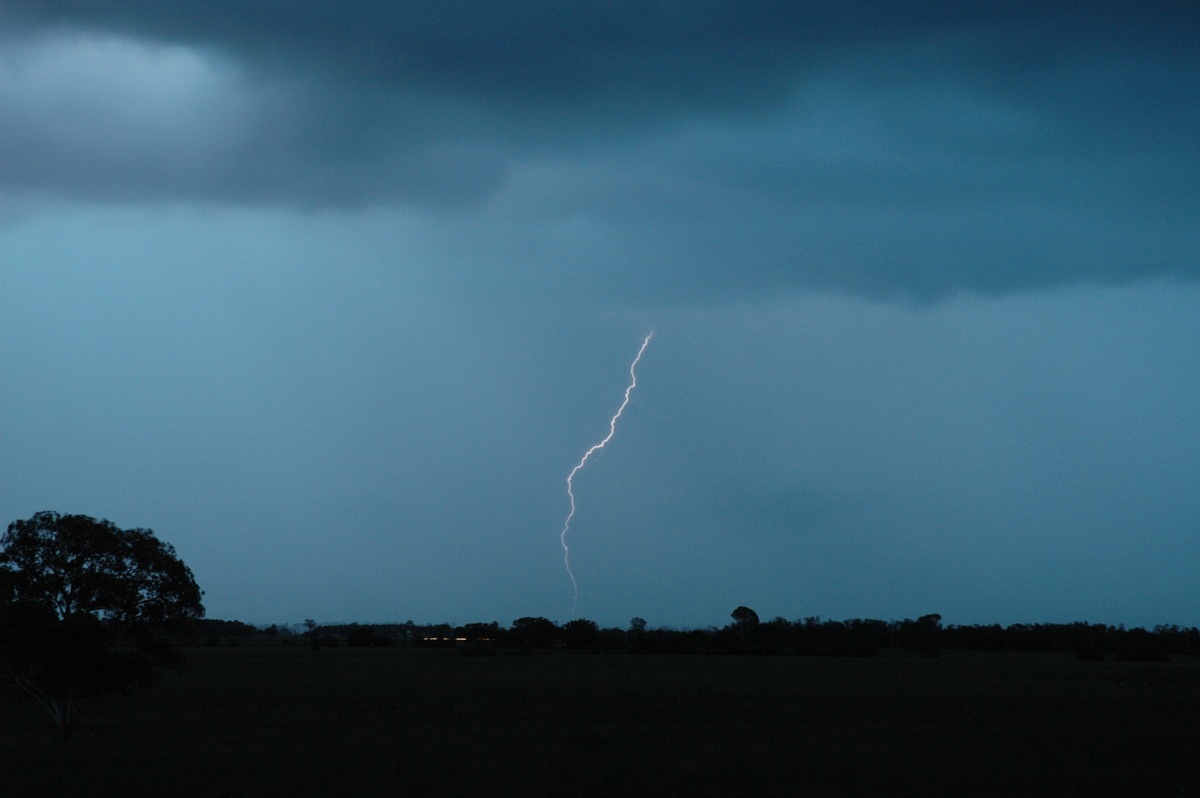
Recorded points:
(892, 149)
(632, 64)
(523, 54)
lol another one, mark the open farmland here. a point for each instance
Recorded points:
(284, 720)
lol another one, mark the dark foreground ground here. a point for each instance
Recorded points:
(277, 720)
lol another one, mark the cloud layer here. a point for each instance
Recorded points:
(685, 151)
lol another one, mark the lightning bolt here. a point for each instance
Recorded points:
(612, 428)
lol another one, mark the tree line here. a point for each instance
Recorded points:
(746, 634)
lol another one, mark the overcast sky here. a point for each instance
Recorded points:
(333, 296)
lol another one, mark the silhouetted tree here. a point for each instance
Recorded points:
(744, 616)
(87, 608)
(580, 633)
(744, 622)
(927, 634)
(635, 638)
(534, 632)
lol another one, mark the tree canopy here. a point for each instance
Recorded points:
(86, 608)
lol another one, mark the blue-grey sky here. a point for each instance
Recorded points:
(333, 296)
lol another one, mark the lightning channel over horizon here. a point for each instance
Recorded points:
(612, 429)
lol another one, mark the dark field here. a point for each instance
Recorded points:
(280, 720)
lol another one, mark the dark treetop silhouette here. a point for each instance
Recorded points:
(87, 608)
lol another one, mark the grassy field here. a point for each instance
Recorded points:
(280, 720)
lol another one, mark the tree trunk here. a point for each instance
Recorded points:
(62, 710)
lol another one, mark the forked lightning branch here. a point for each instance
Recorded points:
(612, 428)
